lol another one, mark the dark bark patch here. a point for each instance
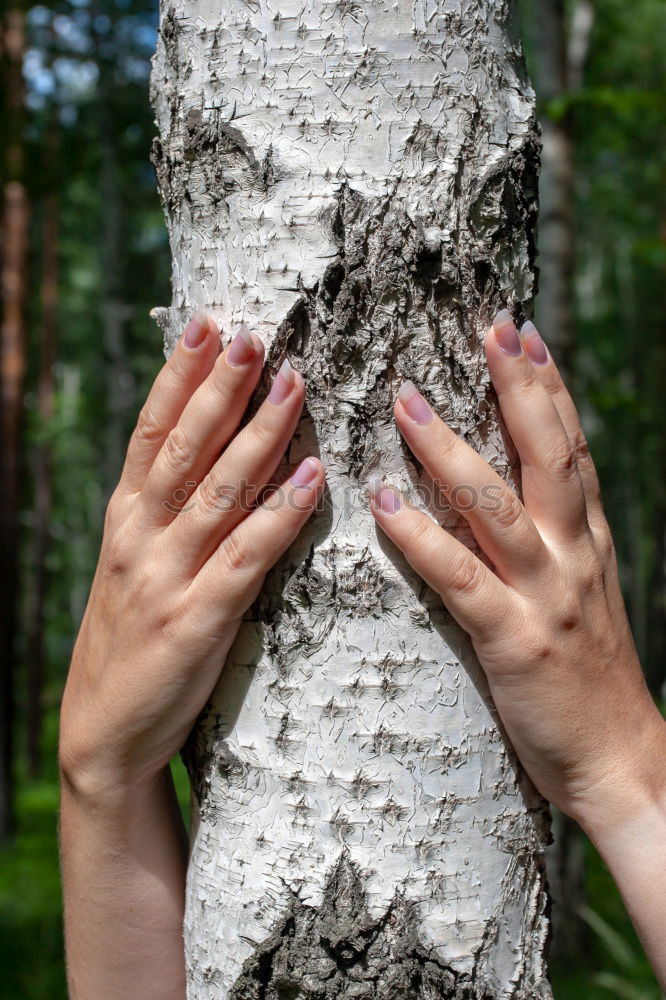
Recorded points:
(340, 952)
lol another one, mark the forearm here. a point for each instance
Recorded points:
(123, 856)
(631, 839)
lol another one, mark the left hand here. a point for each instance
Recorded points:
(188, 539)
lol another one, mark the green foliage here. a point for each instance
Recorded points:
(634, 981)
(31, 936)
(31, 943)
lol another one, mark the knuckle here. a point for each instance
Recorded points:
(552, 384)
(177, 368)
(262, 435)
(465, 576)
(447, 446)
(209, 496)
(539, 651)
(524, 380)
(112, 513)
(117, 556)
(219, 377)
(148, 427)
(580, 447)
(509, 510)
(235, 554)
(170, 623)
(593, 579)
(560, 459)
(420, 535)
(178, 450)
(606, 545)
(570, 615)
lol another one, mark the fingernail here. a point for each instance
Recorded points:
(506, 334)
(283, 384)
(305, 473)
(241, 349)
(414, 403)
(535, 349)
(196, 330)
(383, 496)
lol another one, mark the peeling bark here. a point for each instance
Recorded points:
(357, 180)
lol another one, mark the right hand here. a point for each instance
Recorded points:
(544, 609)
(183, 557)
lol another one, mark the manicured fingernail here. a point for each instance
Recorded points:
(414, 404)
(283, 384)
(241, 349)
(383, 496)
(305, 473)
(506, 334)
(196, 330)
(535, 349)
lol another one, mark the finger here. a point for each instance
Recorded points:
(206, 425)
(552, 489)
(546, 371)
(237, 567)
(226, 495)
(498, 519)
(189, 364)
(476, 598)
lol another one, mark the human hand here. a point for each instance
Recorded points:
(547, 620)
(183, 556)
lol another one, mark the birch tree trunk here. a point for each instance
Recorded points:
(357, 180)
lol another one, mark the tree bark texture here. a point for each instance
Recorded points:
(357, 181)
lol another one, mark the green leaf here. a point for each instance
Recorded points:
(614, 943)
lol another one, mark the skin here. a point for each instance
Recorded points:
(178, 569)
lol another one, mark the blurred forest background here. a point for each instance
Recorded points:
(84, 256)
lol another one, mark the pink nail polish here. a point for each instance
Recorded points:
(241, 349)
(506, 334)
(196, 330)
(305, 474)
(283, 384)
(383, 496)
(535, 349)
(414, 404)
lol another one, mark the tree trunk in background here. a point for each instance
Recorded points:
(358, 182)
(561, 43)
(560, 37)
(115, 311)
(43, 479)
(13, 262)
(119, 389)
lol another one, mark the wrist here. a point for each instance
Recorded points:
(632, 786)
(95, 785)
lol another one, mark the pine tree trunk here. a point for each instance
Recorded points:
(14, 218)
(561, 37)
(114, 310)
(37, 652)
(357, 180)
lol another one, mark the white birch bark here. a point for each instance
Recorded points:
(357, 180)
